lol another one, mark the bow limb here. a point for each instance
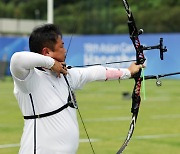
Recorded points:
(140, 59)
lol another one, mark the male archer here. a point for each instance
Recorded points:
(50, 125)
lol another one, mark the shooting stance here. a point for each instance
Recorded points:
(44, 89)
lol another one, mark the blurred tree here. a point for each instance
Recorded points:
(29, 9)
(98, 16)
(2, 8)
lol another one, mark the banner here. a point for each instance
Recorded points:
(93, 49)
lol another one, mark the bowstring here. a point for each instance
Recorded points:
(73, 31)
(86, 130)
(84, 126)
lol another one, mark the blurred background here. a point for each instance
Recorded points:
(93, 16)
(96, 31)
(98, 28)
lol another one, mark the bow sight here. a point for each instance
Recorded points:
(159, 46)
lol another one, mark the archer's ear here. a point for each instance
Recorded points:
(45, 51)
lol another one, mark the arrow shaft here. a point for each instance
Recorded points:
(108, 63)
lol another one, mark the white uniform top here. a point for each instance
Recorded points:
(59, 133)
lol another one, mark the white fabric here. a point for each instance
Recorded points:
(59, 133)
(25, 61)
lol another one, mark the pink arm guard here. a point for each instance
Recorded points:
(117, 74)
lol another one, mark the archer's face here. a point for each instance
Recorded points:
(59, 52)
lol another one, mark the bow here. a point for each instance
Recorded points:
(140, 59)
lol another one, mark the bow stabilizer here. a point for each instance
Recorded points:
(157, 77)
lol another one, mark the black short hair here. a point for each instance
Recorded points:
(44, 36)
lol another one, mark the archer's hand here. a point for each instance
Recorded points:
(134, 68)
(59, 67)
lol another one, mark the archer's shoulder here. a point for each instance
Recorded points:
(18, 55)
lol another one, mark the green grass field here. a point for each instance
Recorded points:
(107, 116)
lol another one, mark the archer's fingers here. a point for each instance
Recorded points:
(64, 68)
(58, 75)
(142, 66)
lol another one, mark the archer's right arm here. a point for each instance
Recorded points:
(22, 62)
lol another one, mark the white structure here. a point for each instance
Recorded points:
(50, 11)
(22, 26)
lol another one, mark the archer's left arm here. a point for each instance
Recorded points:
(81, 76)
(122, 73)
